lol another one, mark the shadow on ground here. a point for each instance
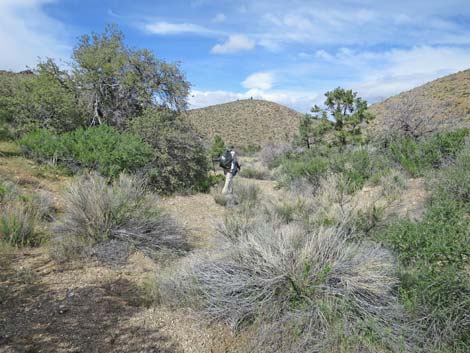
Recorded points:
(93, 318)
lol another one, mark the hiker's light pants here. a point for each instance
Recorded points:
(228, 187)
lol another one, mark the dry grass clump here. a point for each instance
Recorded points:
(255, 172)
(124, 210)
(246, 195)
(18, 223)
(294, 288)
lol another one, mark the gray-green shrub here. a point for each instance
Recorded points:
(296, 285)
(123, 210)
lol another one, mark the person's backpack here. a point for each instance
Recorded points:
(226, 159)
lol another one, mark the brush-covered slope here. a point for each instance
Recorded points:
(442, 104)
(248, 122)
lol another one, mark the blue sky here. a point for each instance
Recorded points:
(290, 52)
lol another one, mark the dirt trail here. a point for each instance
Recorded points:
(91, 307)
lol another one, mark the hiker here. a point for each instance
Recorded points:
(230, 165)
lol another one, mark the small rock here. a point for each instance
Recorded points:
(63, 309)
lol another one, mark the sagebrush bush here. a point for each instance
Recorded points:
(300, 287)
(17, 224)
(101, 148)
(123, 210)
(180, 161)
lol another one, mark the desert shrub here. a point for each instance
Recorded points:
(8, 191)
(43, 144)
(247, 194)
(299, 287)
(17, 224)
(455, 180)
(270, 153)
(307, 166)
(434, 258)
(211, 180)
(63, 248)
(359, 165)
(252, 172)
(123, 210)
(101, 148)
(435, 284)
(180, 161)
(249, 150)
(418, 156)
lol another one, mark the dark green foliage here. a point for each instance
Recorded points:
(211, 180)
(217, 148)
(312, 128)
(101, 148)
(416, 157)
(46, 99)
(434, 256)
(307, 166)
(348, 112)
(180, 161)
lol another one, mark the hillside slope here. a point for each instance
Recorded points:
(245, 122)
(442, 104)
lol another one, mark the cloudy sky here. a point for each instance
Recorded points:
(290, 52)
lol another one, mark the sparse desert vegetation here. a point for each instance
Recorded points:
(115, 236)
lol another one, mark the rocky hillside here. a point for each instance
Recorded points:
(248, 122)
(442, 104)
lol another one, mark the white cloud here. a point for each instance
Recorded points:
(219, 18)
(234, 43)
(26, 33)
(259, 80)
(167, 28)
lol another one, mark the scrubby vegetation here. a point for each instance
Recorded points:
(180, 162)
(96, 211)
(272, 276)
(434, 258)
(293, 283)
(318, 252)
(100, 148)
